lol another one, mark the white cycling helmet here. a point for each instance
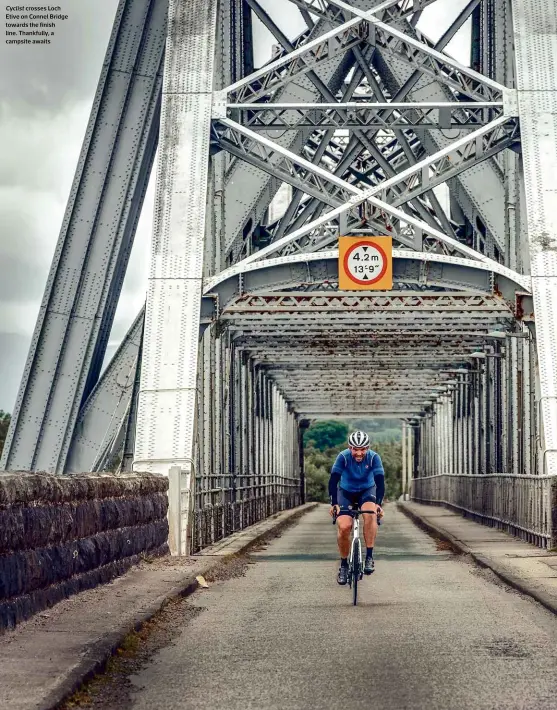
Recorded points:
(358, 439)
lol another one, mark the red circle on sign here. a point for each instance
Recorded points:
(363, 244)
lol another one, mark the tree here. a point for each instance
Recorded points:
(4, 424)
(326, 435)
(320, 454)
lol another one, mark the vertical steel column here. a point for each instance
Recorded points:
(170, 354)
(515, 425)
(427, 450)
(482, 411)
(219, 433)
(444, 416)
(404, 458)
(273, 443)
(452, 429)
(207, 422)
(257, 434)
(465, 423)
(237, 430)
(245, 481)
(527, 406)
(488, 364)
(434, 464)
(456, 428)
(535, 41)
(434, 434)
(457, 444)
(197, 450)
(409, 453)
(268, 439)
(436, 427)
(422, 447)
(250, 434)
(443, 436)
(505, 410)
(227, 409)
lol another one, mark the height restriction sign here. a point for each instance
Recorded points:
(365, 263)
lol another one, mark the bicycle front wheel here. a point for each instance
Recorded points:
(356, 557)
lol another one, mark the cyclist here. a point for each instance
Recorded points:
(360, 473)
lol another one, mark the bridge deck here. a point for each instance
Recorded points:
(441, 633)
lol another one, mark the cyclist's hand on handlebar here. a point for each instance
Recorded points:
(334, 510)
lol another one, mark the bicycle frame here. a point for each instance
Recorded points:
(355, 536)
(355, 567)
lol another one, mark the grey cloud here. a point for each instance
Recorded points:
(45, 98)
(21, 280)
(13, 352)
(40, 79)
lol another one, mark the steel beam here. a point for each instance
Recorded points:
(108, 404)
(353, 114)
(85, 279)
(535, 33)
(167, 397)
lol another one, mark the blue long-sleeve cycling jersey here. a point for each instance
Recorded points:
(354, 476)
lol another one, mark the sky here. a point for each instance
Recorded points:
(45, 100)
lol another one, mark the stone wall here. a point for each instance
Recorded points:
(60, 535)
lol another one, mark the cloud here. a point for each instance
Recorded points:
(46, 79)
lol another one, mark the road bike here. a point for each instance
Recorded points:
(355, 564)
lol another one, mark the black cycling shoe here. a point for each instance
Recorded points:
(369, 565)
(342, 575)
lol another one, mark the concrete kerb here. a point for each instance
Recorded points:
(95, 659)
(482, 561)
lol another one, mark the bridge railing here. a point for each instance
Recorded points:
(525, 506)
(220, 505)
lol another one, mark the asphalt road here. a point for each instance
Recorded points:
(430, 631)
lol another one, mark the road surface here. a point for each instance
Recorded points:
(430, 631)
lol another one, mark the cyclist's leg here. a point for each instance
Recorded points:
(367, 502)
(344, 524)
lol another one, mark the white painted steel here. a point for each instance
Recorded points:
(305, 49)
(388, 183)
(167, 398)
(535, 33)
(102, 413)
(484, 265)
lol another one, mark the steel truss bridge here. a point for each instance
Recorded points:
(245, 335)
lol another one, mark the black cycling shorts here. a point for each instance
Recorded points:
(349, 498)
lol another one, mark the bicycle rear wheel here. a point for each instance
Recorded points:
(356, 557)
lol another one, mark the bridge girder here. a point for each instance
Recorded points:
(244, 327)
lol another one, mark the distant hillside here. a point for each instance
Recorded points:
(379, 429)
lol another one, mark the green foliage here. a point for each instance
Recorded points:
(319, 457)
(4, 424)
(317, 466)
(391, 456)
(324, 435)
